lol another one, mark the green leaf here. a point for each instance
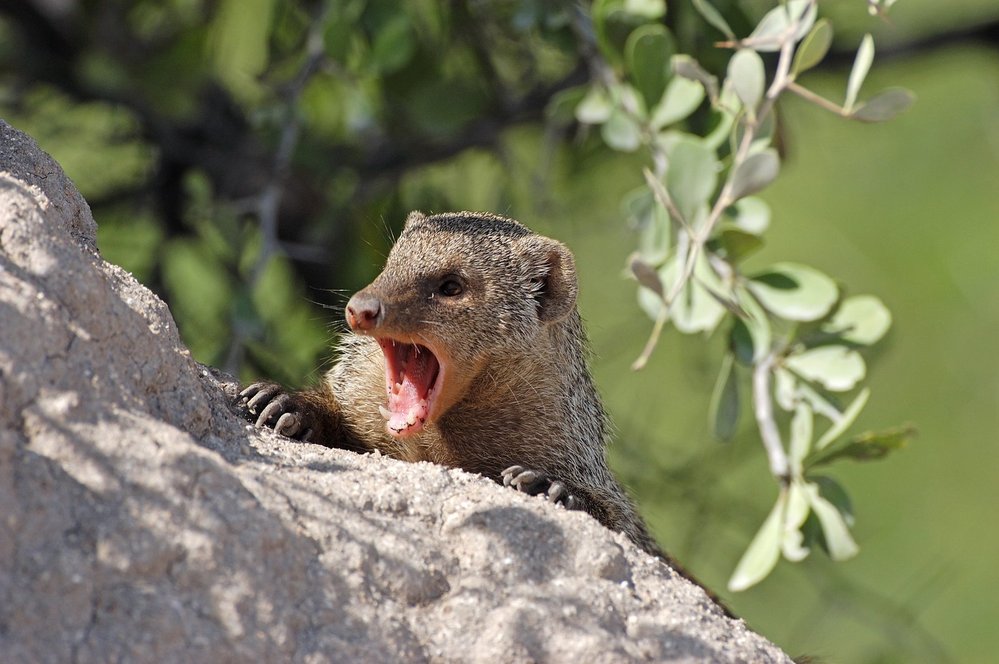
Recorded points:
(839, 543)
(394, 44)
(621, 132)
(861, 65)
(861, 319)
(752, 215)
(724, 410)
(714, 18)
(596, 107)
(801, 436)
(692, 175)
(240, 44)
(611, 26)
(687, 67)
(682, 97)
(795, 292)
(763, 552)
(561, 108)
(648, 52)
(843, 423)
(813, 48)
(755, 173)
(883, 106)
(747, 77)
(736, 244)
(869, 446)
(837, 368)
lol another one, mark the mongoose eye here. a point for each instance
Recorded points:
(450, 287)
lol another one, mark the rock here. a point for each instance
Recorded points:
(142, 520)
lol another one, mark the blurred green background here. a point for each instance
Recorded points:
(254, 179)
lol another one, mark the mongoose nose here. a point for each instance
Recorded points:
(364, 312)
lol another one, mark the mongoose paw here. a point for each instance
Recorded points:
(275, 408)
(535, 483)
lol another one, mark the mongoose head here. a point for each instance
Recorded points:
(459, 291)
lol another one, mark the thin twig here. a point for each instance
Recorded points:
(818, 100)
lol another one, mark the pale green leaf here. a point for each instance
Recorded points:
(621, 132)
(820, 405)
(682, 97)
(747, 77)
(801, 435)
(763, 552)
(785, 389)
(835, 530)
(691, 176)
(837, 368)
(695, 309)
(795, 292)
(861, 65)
(687, 67)
(769, 32)
(755, 173)
(792, 542)
(650, 9)
(724, 409)
(813, 48)
(883, 106)
(713, 17)
(840, 425)
(861, 319)
(752, 215)
(652, 222)
(596, 107)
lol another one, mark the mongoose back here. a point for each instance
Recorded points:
(468, 351)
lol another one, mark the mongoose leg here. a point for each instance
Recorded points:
(535, 483)
(283, 412)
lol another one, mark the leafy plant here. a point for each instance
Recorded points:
(793, 336)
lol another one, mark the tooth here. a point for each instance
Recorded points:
(385, 412)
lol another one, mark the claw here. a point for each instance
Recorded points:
(270, 410)
(510, 473)
(264, 394)
(287, 425)
(556, 492)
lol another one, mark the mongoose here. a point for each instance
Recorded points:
(468, 351)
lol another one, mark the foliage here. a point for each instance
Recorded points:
(246, 147)
(790, 328)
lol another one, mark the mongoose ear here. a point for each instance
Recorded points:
(413, 217)
(553, 277)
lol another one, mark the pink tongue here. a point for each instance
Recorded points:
(407, 402)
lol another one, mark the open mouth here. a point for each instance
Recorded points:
(412, 377)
